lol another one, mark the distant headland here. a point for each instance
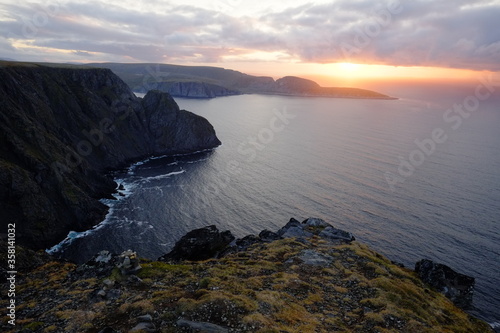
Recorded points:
(210, 82)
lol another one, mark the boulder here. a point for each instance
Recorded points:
(199, 244)
(201, 326)
(332, 233)
(268, 236)
(128, 262)
(459, 288)
(315, 222)
(294, 229)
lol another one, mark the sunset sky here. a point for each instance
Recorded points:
(341, 40)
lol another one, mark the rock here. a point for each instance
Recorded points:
(201, 326)
(189, 89)
(268, 236)
(113, 294)
(102, 264)
(315, 222)
(144, 327)
(128, 262)
(294, 229)
(107, 330)
(247, 241)
(145, 318)
(459, 288)
(240, 244)
(313, 258)
(103, 257)
(332, 233)
(199, 244)
(101, 293)
(108, 283)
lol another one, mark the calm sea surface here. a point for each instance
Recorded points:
(353, 163)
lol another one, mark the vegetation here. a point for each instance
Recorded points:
(264, 289)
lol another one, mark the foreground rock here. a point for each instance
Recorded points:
(200, 244)
(459, 288)
(294, 284)
(61, 128)
(209, 242)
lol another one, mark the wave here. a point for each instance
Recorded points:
(72, 235)
(167, 175)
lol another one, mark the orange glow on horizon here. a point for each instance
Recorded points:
(351, 74)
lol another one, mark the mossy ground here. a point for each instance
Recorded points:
(264, 289)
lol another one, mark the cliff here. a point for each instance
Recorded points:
(205, 81)
(306, 277)
(188, 89)
(62, 128)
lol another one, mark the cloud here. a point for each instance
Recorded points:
(406, 33)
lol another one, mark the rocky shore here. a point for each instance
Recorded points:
(306, 277)
(62, 128)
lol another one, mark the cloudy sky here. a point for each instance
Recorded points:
(271, 37)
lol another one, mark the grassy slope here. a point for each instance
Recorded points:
(261, 290)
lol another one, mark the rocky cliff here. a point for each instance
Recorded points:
(205, 81)
(188, 89)
(62, 128)
(307, 277)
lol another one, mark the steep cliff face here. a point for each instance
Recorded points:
(189, 89)
(61, 128)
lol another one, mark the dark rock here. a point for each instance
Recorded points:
(145, 318)
(144, 327)
(121, 187)
(189, 89)
(201, 326)
(62, 128)
(294, 229)
(107, 330)
(315, 223)
(268, 236)
(247, 241)
(332, 233)
(199, 244)
(459, 288)
(100, 265)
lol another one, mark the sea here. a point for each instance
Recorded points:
(414, 178)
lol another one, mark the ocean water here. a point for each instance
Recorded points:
(408, 177)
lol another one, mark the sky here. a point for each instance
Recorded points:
(337, 41)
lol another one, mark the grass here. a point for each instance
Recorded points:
(254, 291)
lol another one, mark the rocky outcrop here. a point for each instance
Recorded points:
(459, 288)
(290, 285)
(209, 242)
(62, 128)
(199, 244)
